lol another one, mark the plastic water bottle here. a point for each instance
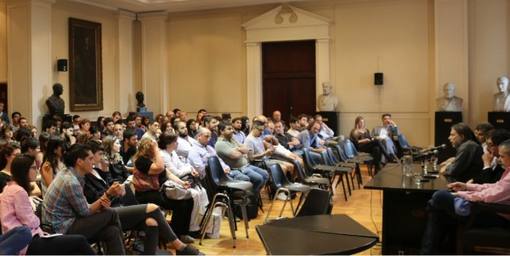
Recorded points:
(407, 166)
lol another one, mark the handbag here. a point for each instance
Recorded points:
(143, 182)
(175, 191)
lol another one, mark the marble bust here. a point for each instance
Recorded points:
(502, 98)
(56, 105)
(327, 101)
(449, 102)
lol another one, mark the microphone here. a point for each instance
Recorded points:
(432, 149)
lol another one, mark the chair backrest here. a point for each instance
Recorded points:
(214, 173)
(279, 178)
(317, 202)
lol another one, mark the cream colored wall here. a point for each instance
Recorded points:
(64, 9)
(207, 60)
(489, 55)
(3, 41)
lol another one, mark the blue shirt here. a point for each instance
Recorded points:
(64, 201)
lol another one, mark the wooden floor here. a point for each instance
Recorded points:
(365, 206)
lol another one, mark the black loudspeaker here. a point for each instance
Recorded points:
(62, 65)
(378, 78)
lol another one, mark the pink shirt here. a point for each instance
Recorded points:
(498, 192)
(16, 210)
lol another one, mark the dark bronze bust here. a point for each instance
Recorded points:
(56, 105)
(140, 106)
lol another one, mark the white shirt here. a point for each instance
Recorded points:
(184, 146)
(175, 165)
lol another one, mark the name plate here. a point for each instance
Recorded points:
(447, 120)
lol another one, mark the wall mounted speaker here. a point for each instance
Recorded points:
(62, 65)
(378, 78)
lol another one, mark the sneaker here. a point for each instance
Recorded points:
(189, 250)
(187, 239)
(282, 196)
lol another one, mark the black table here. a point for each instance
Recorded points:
(404, 208)
(319, 234)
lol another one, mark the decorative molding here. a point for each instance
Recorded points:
(123, 14)
(283, 23)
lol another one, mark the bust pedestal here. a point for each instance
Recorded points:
(331, 119)
(444, 120)
(500, 120)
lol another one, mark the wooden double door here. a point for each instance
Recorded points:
(288, 75)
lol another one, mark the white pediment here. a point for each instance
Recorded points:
(287, 22)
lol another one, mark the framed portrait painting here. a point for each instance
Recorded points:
(85, 65)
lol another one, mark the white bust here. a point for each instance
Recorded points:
(449, 102)
(502, 98)
(327, 101)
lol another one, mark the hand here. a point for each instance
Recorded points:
(186, 184)
(194, 173)
(457, 186)
(105, 202)
(115, 190)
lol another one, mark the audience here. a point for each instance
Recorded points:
(235, 156)
(184, 141)
(16, 211)
(492, 169)
(150, 170)
(65, 207)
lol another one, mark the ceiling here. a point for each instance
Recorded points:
(175, 5)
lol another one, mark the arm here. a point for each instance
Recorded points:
(177, 167)
(23, 209)
(47, 174)
(158, 165)
(196, 160)
(74, 194)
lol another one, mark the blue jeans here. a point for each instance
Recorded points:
(15, 240)
(238, 175)
(257, 176)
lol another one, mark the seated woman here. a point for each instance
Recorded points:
(116, 166)
(7, 154)
(147, 177)
(146, 217)
(467, 163)
(360, 136)
(16, 211)
(175, 166)
(444, 207)
(52, 161)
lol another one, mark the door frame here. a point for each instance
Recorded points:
(283, 23)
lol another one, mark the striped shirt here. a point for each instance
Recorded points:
(64, 201)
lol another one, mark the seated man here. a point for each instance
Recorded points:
(310, 140)
(492, 169)
(211, 123)
(482, 132)
(445, 207)
(65, 208)
(201, 151)
(263, 150)
(184, 141)
(239, 135)
(235, 156)
(295, 128)
(286, 140)
(389, 132)
(325, 132)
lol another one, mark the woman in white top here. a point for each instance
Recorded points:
(176, 167)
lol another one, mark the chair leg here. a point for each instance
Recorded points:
(359, 176)
(343, 187)
(284, 202)
(245, 219)
(270, 208)
(347, 180)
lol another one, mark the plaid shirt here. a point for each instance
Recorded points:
(64, 201)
